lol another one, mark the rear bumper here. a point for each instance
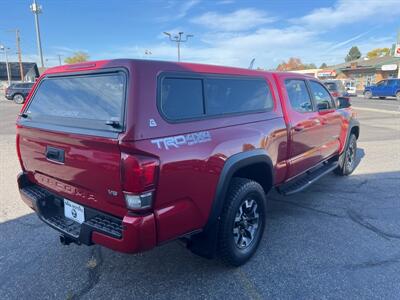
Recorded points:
(131, 234)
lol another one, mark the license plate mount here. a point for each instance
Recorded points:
(74, 211)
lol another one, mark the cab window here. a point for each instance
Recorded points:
(321, 96)
(299, 97)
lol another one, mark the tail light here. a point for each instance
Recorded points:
(139, 175)
(19, 151)
(335, 94)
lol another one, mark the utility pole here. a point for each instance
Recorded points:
(37, 9)
(178, 40)
(18, 40)
(4, 48)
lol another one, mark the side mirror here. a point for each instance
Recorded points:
(322, 106)
(343, 102)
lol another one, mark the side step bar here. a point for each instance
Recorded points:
(303, 181)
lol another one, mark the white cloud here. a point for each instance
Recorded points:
(350, 11)
(349, 40)
(237, 37)
(185, 7)
(175, 10)
(224, 2)
(242, 19)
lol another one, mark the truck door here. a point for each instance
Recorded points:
(380, 89)
(330, 121)
(392, 87)
(304, 125)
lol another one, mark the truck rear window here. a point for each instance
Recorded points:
(84, 101)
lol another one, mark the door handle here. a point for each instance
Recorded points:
(55, 154)
(298, 128)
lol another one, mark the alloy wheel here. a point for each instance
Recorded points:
(19, 99)
(351, 156)
(246, 223)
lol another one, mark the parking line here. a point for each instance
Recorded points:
(377, 110)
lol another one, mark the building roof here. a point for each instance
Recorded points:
(15, 71)
(364, 64)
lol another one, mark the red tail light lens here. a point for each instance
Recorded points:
(335, 94)
(19, 151)
(139, 173)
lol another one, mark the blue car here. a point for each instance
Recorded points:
(384, 88)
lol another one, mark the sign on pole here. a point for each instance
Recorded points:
(397, 50)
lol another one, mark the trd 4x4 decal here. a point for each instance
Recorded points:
(181, 140)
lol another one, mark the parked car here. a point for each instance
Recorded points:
(336, 87)
(351, 88)
(18, 91)
(384, 88)
(131, 154)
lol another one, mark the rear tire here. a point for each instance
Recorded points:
(18, 99)
(242, 221)
(349, 161)
(368, 95)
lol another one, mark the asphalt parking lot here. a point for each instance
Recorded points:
(338, 239)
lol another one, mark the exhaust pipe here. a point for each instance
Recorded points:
(65, 240)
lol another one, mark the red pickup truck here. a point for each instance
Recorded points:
(130, 154)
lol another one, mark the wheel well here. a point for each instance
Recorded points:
(259, 172)
(356, 131)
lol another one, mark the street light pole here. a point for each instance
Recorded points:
(37, 9)
(178, 40)
(4, 48)
(59, 59)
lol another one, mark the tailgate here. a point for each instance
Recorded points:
(90, 174)
(68, 138)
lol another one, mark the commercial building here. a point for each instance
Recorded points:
(365, 71)
(360, 72)
(31, 71)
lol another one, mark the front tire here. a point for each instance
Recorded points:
(18, 99)
(368, 95)
(349, 161)
(242, 221)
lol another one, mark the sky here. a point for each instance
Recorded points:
(226, 32)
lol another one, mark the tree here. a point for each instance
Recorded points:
(354, 54)
(378, 52)
(309, 66)
(294, 64)
(77, 58)
(323, 66)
